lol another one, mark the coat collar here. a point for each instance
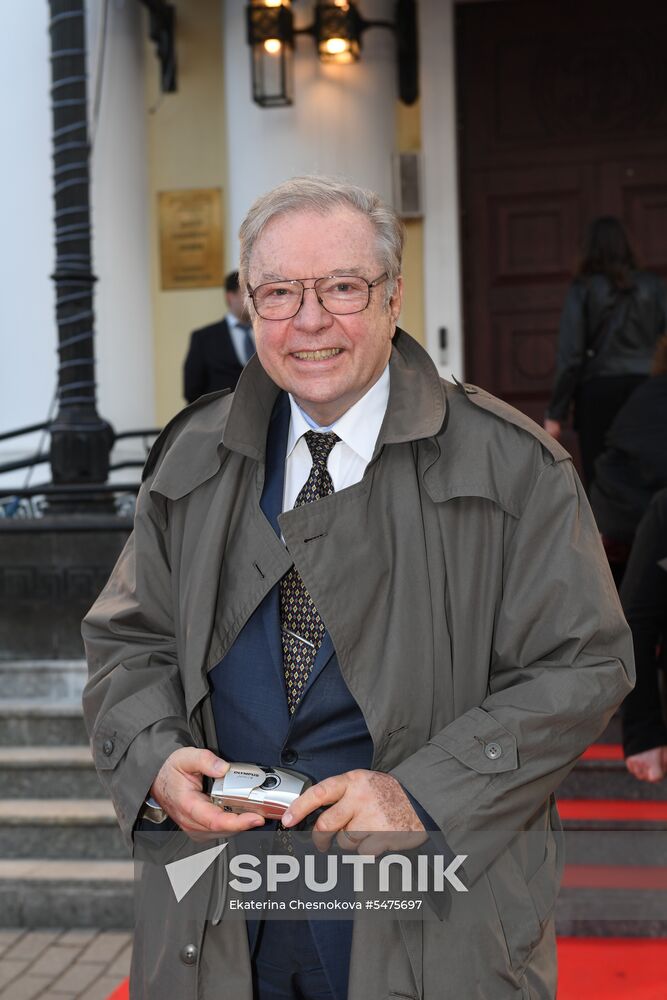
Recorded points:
(417, 402)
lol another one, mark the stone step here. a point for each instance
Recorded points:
(34, 722)
(613, 732)
(617, 847)
(39, 893)
(56, 772)
(48, 679)
(602, 774)
(616, 913)
(60, 828)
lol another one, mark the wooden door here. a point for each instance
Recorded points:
(563, 116)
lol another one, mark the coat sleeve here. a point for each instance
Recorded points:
(561, 664)
(644, 597)
(571, 352)
(133, 702)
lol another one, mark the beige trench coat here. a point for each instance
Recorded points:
(469, 602)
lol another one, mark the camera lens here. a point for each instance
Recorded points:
(271, 781)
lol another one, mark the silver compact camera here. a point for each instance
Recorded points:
(268, 791)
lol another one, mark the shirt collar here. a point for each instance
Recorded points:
(233, 321)
(417, 405)
(358, 427)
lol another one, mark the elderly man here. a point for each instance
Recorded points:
(389, 582)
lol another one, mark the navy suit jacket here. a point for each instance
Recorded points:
(211, 362)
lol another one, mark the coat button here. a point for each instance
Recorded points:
(470, 390)
(289, 756)
(493, 751)
(189, 954)
(107, 748)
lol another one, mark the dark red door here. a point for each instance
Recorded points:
(563, 116)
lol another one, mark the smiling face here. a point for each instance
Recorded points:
(326, 362)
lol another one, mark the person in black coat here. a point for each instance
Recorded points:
(633, 466)
(218, 352)
(644, 599)
(612, 318)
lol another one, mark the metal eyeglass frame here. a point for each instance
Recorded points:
(300, 281)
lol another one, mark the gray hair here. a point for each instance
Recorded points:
(324, 194)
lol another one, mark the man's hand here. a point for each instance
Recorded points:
(650, 765)
(553, 427)
(361, 802)
(178, 789)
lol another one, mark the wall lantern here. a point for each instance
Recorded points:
(271, 40)
(337, 30)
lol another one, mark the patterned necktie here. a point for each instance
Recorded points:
(302, 628)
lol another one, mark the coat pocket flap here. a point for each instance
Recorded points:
(480, 742)
(127, 719)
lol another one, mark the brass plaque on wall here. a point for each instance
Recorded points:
(191, 238)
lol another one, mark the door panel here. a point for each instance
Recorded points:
(637, 190)
(524, 226)
(562, 113)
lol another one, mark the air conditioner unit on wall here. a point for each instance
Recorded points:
(408, 185)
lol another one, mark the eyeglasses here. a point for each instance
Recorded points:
(339, 294)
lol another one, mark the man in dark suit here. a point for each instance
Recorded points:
(219, 351)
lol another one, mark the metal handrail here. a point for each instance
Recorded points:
(151, 432)
(25, 463)
(51, 489)
(44, 456)
(6, 435)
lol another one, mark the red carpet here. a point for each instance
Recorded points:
(595, 969)
(615, 877)
(603, 751)
(625, 810)
(122, 992)
(612, 968)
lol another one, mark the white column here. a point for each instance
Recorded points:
(342, 121)
(119, 211)
(442, 254)
(27, 304)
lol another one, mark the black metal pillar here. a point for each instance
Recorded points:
(80, 440)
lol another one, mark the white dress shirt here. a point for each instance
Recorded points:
(237, 333)
(358, 431)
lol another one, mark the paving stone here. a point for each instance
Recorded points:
(55, 960)
(25, 988)
(121, 964)
(77, 978)
(78, 936)
(10, 969)
(8, 938)
(46, 996)
(105, 947)
(100, 990)
(32, 944)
